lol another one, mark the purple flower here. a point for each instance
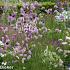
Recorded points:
(11, 18)
(14, 15)
(32, 6)
(35, 30)
(3, 39)
(1, 50)
(22, 11)
(65, 3)
(13, 37)
(62, 17)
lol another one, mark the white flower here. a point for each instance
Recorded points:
(67, 38)
(66, 51)
(29, 56)
(69, 68)
(24, 68)
(69, 44)
(64, 12)
(62, 16)
(17, 57)
(29, 52)
(55, 65)
(21, 54)
(58, 30)
(60, 40)
(25, 55)
(23, 59)
(60, 62)
(64, 43)
(1, 43)
(60, 50)
(4, 63)
(2, 55)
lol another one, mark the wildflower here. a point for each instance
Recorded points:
(67, 51)
(23, 50)
(60, 40)
(7, 40)
(6, 37)
(49, 11)
(1, 43)
(60, 62)
(24, 68)
(55, 6)
(67, 38)
(48, 29)
(1, 50)
(64, 43)
(69, 44)
(13, 37)
(62, 17)
(17, 44)
(3, 39)
(23, 59)
(29, 52)
(55, 65)
(11, 17)
(28, 57)
(60, 50)
(2, 55)
(17, 57)
(58, 30)
(35, 30)
(5, 29)
(69, 68)
(21, 55)
(55, 11)
(4, 63)
(25, 55)
(32, 6)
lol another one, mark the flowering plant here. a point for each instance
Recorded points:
(52, 60)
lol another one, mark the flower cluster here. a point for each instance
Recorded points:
(52, 59)
(11, 17)
(27, 21)
(26, 27)
(62, 16)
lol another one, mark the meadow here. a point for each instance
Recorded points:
(35, 35)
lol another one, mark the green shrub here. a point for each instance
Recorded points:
(43, 0)
(48, 4)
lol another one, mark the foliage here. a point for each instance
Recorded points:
(36, 40)
(48, 4)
